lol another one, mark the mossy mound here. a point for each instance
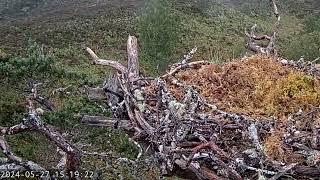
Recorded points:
(264, 89)
(257, 86)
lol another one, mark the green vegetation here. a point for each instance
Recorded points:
(158, 34)
(36, 66)
(18, 72)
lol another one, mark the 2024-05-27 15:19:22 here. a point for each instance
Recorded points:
(46, 174)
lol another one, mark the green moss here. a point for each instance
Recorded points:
(292, 93)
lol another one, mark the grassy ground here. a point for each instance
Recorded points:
(63, 28)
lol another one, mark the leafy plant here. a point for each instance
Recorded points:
(37, 65)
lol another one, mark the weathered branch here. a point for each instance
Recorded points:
(106, 122)
(184, 66)
(252, 38)
(133, 63)
(111, 63)
(13, 129)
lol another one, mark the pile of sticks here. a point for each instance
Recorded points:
(193, 138)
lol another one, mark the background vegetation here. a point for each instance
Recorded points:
(158, 33)
(43, 41)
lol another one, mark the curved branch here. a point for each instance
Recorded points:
(18, 163)
(96, 60)
(191, 65)
(252, 37)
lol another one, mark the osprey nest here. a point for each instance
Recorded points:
(252, 118)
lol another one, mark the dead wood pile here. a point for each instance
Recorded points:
(253, 118)
(250, 118)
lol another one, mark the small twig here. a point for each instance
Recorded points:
(139, 148)
(315, 60)
(187, 65)
(189, 56)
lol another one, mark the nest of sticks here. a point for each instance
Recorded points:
(256, 117)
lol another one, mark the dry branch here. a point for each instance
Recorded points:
(106, 122)
(252, 38)
(114, 64)
(184, 66)
(13, 129)
(133, 63)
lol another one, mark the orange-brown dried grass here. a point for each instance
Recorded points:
(257, 86)
(273, 148)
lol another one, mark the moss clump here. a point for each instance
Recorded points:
(291, 93)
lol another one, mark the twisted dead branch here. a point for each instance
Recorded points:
(252, 38)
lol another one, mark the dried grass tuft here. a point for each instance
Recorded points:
(257, 86)
(273, 148)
